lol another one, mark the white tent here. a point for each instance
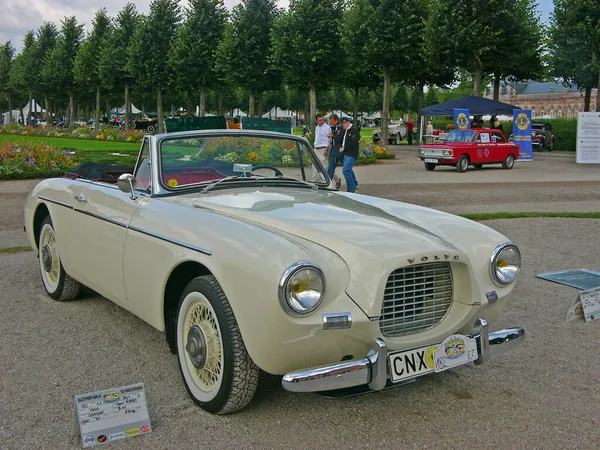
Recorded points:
(341, 114)
(236, 113)
(26, 112)
(278, 113)
(121, 110)
(205, 114)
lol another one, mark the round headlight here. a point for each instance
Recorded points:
(301, 288)
(505, 263)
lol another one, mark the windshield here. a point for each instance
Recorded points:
(462, 136)
(189, 160)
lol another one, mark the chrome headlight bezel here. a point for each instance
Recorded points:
(498, 278)
(284, 283)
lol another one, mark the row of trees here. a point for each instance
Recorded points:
(203, 55)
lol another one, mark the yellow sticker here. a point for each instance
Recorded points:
(133, 432)
(429, 356)
(173, 182)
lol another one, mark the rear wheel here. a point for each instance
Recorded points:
(217, 370)
(462, 164)
(509, 162)
(430, 166)
(57, 283)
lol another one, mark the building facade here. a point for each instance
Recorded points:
(548, 100)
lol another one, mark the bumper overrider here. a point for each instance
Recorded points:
(372, 371)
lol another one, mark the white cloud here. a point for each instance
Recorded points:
(19, 16)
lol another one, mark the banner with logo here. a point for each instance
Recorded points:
(522, 133)
(461, 119)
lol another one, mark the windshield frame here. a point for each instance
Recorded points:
(165, 189)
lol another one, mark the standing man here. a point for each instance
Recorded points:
(349, 149)
(410, 126)
(334, 154)
(322, 139)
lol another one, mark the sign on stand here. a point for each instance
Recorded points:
(588, 138)
(522, 133)
(461, 119)
(105, 416)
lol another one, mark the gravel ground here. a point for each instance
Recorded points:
(544, 394)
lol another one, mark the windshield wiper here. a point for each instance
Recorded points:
(232, 177)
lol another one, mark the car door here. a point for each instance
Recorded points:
(105, 215)
(484, 148)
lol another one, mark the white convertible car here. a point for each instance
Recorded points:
(236, 244)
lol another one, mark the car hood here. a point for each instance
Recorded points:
(370, 234)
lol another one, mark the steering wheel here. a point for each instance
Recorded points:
(278, 172)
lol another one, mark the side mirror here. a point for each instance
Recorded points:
(127, 183)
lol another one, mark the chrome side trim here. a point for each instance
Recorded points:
(66, 205)
(504, 340)
(132, 228)
(172, 241)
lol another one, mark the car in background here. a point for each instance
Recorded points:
(465, 147)
(542, 136)
(397, 132)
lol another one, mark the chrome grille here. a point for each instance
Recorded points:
(416, 298)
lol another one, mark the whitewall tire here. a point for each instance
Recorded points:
(58, 284)
(218, 373)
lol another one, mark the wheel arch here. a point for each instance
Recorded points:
(178, 280)
(41, 213)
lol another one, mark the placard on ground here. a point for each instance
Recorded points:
(104, 416)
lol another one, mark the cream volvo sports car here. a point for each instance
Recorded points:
(236, 244)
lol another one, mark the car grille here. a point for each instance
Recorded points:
(416, 298)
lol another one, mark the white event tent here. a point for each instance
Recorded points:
(26, 112)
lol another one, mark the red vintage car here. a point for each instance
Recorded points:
(465, 147)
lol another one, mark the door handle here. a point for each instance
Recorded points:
(81, 198)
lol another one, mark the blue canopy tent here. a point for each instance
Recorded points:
(475, 105)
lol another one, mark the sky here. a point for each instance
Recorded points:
(19, 16)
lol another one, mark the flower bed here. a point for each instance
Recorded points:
(18, 161)
(107, 133)
(379, 152)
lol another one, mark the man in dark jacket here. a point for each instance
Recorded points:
(335, 156)
(350, 147)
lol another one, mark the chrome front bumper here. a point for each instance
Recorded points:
(372, 370)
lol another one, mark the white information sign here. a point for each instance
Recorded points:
(588, 138)
(590, 301)
(105, 416)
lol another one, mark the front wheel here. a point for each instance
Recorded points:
(462, 164)
(430, 166)
(58, 284)
(217, 370)
(509, 162)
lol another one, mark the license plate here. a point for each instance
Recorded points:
(431, 160)
(453, 351)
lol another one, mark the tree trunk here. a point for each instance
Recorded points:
(312, 96)
(385, 112)
(128, 118)
(251, 104)
(202, 111)
(420, 102)
(598, 94)
(220, 103)
(496, 87)
(86, 114)
(47, 108)
(189, 105)
(260, 105)
(28, 121)
(97, 117)
(172, 110)
(143, 110)
(71, 108)
(10, 117)
(306, 107)
(108, 114)
(356, 104)
(159, 111)
(477, 82)
(587, 98)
